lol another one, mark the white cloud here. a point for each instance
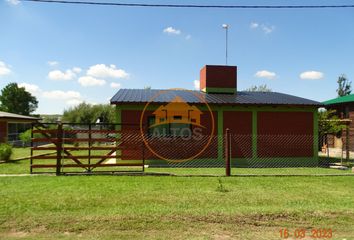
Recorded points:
(88, 81)
(71, 98)
(103, 71)
(265, 74)
(77, 69)
(312, 75)
(196, 84)
(188, 37)
(74, 102)
(31, 88)
(115, 85)
(254, 25)
(53, 63)
(58, 94)
(61, 95)
(13, 2)
(4, 69)
(267, 29)
(264, 27)
(172, 31)
(59, 75)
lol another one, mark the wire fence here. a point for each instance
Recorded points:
(100, 148)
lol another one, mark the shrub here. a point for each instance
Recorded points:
(221, 187)
(5, 151)
(26, 136)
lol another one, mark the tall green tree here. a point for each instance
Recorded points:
(329, 122)
(46, 118)
(87, 113)
(17, 100)
(344, 86)
(260, 88)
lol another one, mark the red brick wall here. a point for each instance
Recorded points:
(240, 125)
(132, 141)
(218, 77)
(341, 110)
(206, 121)
(3, 131)
(285, 134)
(171, 149)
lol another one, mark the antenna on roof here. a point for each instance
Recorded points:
(226, 27)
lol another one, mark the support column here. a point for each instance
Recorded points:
(315, 135)
(118, 117)
(254, 134)
(118, 127)
(220, 121)
(347, 136)
(227, 153)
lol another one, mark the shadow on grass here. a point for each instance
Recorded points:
(328, 161)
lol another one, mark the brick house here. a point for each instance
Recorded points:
(268, 127)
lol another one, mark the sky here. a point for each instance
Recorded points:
(67, 54)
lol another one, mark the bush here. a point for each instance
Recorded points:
(5, 151)
(26, 136)
(88, 113)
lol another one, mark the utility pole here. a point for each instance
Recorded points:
(226, 27)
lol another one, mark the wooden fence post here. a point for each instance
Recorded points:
(227, 153)
(89, 146)
(31, 159)
(59, 147)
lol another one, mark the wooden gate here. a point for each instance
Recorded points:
(84, 148)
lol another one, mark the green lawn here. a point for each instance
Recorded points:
(18, 152)
(23, 167)
(251, 171)
(125, 207)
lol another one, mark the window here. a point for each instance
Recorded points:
(159, 130)
(151, 121)
(15, 129)
(170, 130)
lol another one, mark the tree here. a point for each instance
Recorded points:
(17, 100)
(105, 112)
(87, 113)
(46, 118)
(260, 88)
(344, 86)
(329, 123)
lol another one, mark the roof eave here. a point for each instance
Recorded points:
(230, 104)
(29, 119)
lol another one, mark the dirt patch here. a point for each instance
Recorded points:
(182, 226)
(241, 220)
(16, 234)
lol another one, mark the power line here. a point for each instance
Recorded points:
(190, 5)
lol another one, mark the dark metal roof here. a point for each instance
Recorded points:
(241, 98)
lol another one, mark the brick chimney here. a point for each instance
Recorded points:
(218, 79)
